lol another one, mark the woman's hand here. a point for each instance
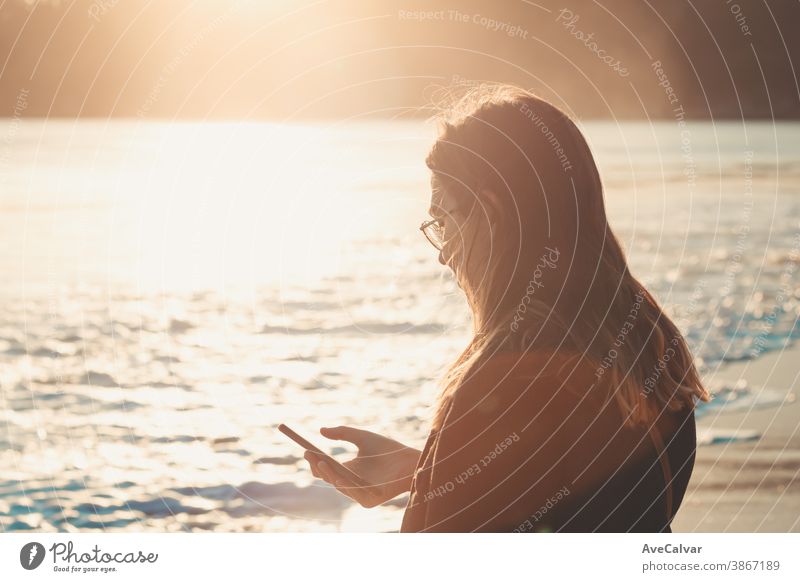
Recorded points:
(386, 463)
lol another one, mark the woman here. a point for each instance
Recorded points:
(572, 407)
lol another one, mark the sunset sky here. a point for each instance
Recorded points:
(298, 59)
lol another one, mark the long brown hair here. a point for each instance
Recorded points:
(557, 278)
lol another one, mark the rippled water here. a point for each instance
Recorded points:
(174, 291)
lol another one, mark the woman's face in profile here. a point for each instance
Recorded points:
(465, 226)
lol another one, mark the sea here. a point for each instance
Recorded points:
(174, 290)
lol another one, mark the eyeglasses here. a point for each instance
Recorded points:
(434, 232)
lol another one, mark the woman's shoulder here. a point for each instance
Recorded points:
(571, 369)
(524, 379)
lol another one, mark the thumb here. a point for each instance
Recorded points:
(346, 433)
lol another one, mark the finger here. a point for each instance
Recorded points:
(313, 461)
(327, 472)
(345, 433)
(345, 486)
(361, 495)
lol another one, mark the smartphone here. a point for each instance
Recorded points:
(337, 466)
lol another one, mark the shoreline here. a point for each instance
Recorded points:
(749, 485)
